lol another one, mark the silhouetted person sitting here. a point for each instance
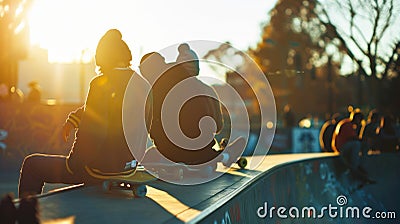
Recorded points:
(8, 211)
(326, 133)
(289, 119)
(100, 142)
(370, 132)
(28, 211)
(347, 142)
(189, 59)
(388, 139)
(182, 135)
(35, 94)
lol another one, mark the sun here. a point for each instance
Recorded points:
(67, 27)
(59, 27)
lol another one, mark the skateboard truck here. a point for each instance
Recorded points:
(134, 178)
(131, 165)
(241, 162)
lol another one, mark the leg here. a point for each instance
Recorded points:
(152, 155)
(233, 151)
(40, 168)
(8, 211)
(28, 211)
(349, 154)
(196, 157)
(170, 152)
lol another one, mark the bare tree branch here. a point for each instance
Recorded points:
(391, 60)
(330, 26)
(387, 22)
(352, 25)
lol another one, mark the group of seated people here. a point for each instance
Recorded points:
(377, 134)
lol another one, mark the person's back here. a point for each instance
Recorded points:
(99, 141)
(369, 134)
(100, 137)
(188, 59)
(347, 143)
(327, 132)
(190, 114)
(388, 140)
(344, 133)
(199, 107)
(326, 135)
(35, 94)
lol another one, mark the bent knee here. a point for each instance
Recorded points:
(31, 160)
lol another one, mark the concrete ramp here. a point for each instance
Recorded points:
(292, 188)
(319, 190)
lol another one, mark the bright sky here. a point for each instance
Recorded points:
(66, 27)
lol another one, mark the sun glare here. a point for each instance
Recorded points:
(59, 27)
(70, 29)
(67, 27)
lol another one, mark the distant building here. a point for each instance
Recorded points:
(58, 81)
(307, 93)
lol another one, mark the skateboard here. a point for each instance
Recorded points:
(178, 171)
(241, 162)
(355, 180)
(155, 163)
(362, 179)
(361, 185)
(134, 179)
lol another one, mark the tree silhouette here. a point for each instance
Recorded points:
(361, 35)
(285, 46)
(14, 38)
(365, 31)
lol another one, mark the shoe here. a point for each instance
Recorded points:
(233, 151)
(8, 211)
(28, 212)
(362, 170)
(223, 143)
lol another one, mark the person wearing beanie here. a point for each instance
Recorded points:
(189, 59)
(346, 141)
(99, 139)
(201, 101)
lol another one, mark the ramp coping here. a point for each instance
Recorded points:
(249, 182)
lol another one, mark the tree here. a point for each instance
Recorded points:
(362, 27)
(289, 52)
(236, 66)
(368, 33)
(14, 38)
(285, 47)
(361, 35)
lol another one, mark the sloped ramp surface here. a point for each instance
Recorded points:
(319, 190)
(291, 181)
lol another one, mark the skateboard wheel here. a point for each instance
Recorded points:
(213, 167)
(223, 143)
(242, 162)
(179, 174)
(207, 171)
(106, 185)
(139, 191)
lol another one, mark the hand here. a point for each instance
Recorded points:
(66, 131)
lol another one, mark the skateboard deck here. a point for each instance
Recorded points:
(241, 161)
(178, 171)
(361, 180)
(133, 179)
(355, 180)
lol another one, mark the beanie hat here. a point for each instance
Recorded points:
(112, 50)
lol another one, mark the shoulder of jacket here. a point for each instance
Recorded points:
(98, 80)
